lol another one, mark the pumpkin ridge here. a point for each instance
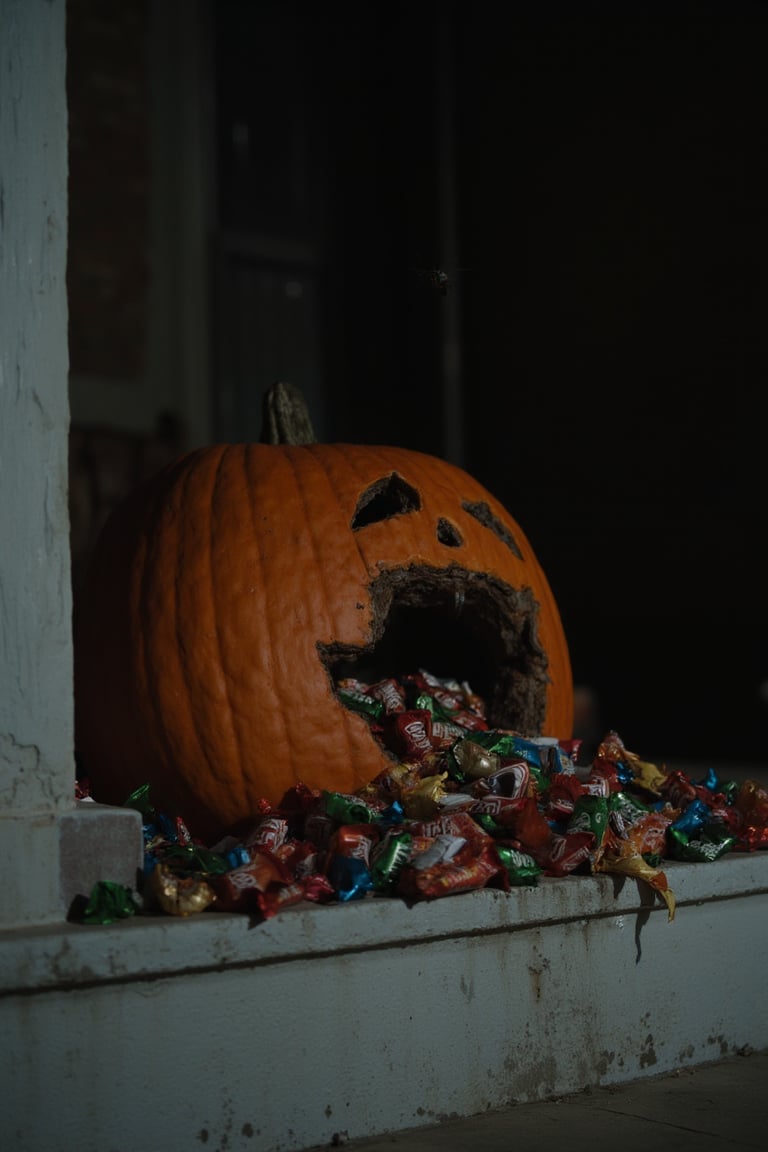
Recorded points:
(333, 624)
(348, 456)
(240, 729)
(154, 672)
(226, 460)
(266, 621)
(207, 501)
(197, 719)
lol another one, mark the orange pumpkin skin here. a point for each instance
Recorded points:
(220, 590)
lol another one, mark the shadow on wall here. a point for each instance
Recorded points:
(104, 466)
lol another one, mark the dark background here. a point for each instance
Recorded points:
(625, 214)
(591, 179)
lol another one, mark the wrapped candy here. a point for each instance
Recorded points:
(461, 806)
(631, 863)
(177, 895)
(108, 902)
(238, 889)
(423, 799)
(469, 869)
(388, 859)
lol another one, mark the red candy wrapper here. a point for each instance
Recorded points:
(751, 804)
(269, 833)
(390, 694)
(467, 870)
(409, 734)
(299, 856)
(277, 897)
(354, 840)
(564, 791)
(504, 810)
(318, 888)
(237, 890)
(450, 824)
(562, 855)
(83, 789)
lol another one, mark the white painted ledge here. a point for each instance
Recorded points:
(370, 1017)
(152, 947)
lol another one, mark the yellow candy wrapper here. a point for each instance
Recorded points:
(634, 865)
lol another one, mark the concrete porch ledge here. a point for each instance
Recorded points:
(371, 1017)
(156, 947)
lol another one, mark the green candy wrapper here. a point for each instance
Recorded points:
(361, 702)
(590, 814)
(521, 868)
(139, 799)
(108, 902)
(192, 858)
(389, 859)
(348, 809)
(708, 844)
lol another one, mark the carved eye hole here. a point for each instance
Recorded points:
(388, 497)
(448, 534)
(484, 516)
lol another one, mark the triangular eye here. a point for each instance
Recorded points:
(388, 497)
(483, 514)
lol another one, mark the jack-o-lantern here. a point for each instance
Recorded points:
(228, 596)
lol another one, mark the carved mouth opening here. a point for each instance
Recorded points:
(466, 626)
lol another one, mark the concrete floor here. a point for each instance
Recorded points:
(711, 1106)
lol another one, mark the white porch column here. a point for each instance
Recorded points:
(36, 698)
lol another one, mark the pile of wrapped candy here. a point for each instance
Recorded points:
(463, 806)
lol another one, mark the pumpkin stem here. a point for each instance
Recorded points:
(285, 416)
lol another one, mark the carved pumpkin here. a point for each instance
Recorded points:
(228, 595)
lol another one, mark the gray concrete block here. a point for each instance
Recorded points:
(98, 842)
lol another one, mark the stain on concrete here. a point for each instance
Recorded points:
(648, 1055)
(604, 1062)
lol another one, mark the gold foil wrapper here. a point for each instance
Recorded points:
(178, 895)
(423, 800)
(474, 760)
(635, 866)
